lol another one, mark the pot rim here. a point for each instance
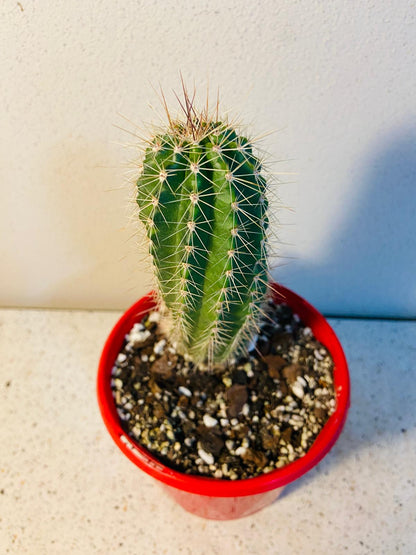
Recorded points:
(217, 487)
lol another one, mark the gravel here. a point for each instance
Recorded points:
(257, 414)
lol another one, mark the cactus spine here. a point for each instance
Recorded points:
(202, 200)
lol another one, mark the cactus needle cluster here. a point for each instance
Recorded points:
(202, 199)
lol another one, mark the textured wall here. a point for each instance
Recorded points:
(336, 79)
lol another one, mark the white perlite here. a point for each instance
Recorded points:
(248, 370)
(118, 384)
(154, 317)
(137, 337)
(138, 326)
(241, 451)
(318, 355)
(184, 391)
(298, 390)
(206, 457)
(159, 346)
(209, 421)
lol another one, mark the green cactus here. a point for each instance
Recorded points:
(202, 200)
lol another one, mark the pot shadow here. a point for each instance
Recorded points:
(380, 270)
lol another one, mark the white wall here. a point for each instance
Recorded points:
(336, 79)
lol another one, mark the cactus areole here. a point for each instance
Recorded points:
(202, 200)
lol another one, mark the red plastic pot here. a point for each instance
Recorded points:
(215, 498)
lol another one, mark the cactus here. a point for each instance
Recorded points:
(202, 199)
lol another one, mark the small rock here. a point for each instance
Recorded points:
(183, 401)
(286, 435)
(283, 388)
(154, 388)
(274, 364)
(291, 372)
(320, 413)
(188, 428)
(236, 396)
(211, 442)
(257, 457)
(268, 441)
(161, 368)
(158, 410)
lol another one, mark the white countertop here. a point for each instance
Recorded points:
(66, 488)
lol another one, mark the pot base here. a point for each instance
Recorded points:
(222, 508)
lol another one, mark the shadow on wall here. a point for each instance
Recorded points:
(370, 267)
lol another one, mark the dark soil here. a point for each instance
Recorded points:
(257, 414)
